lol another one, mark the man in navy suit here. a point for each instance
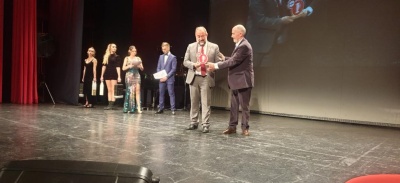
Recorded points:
(240, 79)
(167, 62)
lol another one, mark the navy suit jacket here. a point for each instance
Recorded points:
(169, 66)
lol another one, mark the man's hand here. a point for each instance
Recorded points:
(300, 15)
(287, 19)
(221, 56)
(210, 67)
(196, 65)
(162, 80)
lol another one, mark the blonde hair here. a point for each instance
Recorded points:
(107, 54)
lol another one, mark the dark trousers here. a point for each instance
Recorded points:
(240, 97)
(162, 87)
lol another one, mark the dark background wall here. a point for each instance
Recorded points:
(142, 23)
(173, 21)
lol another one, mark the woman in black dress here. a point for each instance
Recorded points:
(89, 76)
(111, 72)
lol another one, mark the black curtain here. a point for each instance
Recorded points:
(63, 68)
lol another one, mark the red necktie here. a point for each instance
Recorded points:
(203, 66)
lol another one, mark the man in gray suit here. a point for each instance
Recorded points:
(199, 79)
(240, 79)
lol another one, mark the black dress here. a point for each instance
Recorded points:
(114, 61)
(88, 81)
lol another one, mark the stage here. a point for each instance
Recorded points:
(279, 149)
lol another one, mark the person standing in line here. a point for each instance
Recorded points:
(111, 72)
(240, 79)
(131, 66)
(89, 76)
(167, 61)
(199, 79)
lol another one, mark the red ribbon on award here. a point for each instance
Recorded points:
(203, 60)
(296, 6)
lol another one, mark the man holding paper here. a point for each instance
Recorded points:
(167, 62)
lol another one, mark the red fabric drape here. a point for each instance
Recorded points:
(24, 56)
(1, 49)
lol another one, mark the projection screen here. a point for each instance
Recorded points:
(339, 63)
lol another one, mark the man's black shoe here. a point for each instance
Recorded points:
(192, 127)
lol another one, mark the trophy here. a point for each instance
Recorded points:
(94, 88)
(295, 6)
(202, 58)
(101, 88)
(136, 62)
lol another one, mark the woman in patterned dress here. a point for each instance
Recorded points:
(131, 66)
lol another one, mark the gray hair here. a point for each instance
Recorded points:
(241, 28)
(201, 28)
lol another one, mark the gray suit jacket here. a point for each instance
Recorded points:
(240, 66)
(191, 58)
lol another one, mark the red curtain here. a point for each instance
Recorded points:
(24, 56)
(1, 49)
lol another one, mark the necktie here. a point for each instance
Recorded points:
(203, 66)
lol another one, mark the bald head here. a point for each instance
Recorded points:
(238, 32)
(240, 28)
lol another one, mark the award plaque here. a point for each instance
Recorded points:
(296, 6)
(203, 58)
(136, 62)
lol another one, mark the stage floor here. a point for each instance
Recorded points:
(278, 149)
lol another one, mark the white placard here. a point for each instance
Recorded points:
(160, 74)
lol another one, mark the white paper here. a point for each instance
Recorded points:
(160, 74)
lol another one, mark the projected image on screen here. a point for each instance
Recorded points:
(268, 22)
(327, 59)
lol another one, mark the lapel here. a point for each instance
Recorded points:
(234, 50)
(166, 62)
(208, 51)
(195, 52)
